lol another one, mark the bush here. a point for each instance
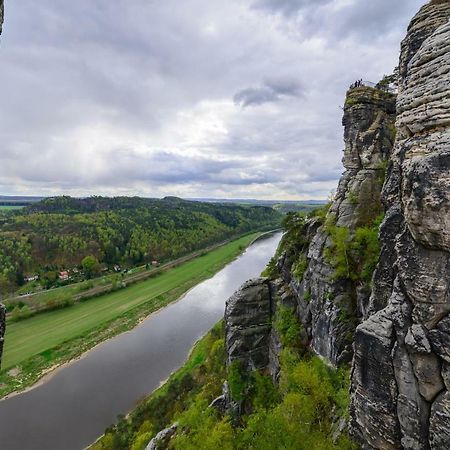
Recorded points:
(288, 327)
(237, 381)
(299, 267)
(21, 313)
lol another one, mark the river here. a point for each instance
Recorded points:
(75, 405)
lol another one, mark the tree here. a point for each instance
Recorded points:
(90, 266)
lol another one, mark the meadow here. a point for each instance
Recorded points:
(29, 343)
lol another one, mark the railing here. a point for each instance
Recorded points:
(363, 83)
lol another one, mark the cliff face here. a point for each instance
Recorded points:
(2, 308)
(400, 351)
(1, 15)
(331, 304)
(401, 369)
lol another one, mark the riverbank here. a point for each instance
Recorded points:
(40, 344)
(66, 296)
(203, 370)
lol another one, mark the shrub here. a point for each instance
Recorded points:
(237, 381)
(299, 267)
(288, 327)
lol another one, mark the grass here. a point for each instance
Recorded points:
(51, 299)
(9, 208)
(37, 343)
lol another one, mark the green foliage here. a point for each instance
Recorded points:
(307, 296)
(365, 249)
(20, 313)
(294, 237)
(288, 326)
(337, 254)
(354, 257)
(190, 389)
(237, 381)
(90, 266)
(299, 267)
(389, 80)
(296, 415)
(321, 213)
(271, 270)
(58, 233)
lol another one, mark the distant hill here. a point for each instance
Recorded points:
(57, 233)
(283, 206)
(15, 200)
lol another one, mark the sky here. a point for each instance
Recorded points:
(193, 98)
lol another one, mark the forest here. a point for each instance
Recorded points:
(97, 233)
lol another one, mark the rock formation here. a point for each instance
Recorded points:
(400, 393)
(400, 382)
(248, 316)
(162, 439)
(2, 308)
(2, 329)
(330, 307)
(1, 15)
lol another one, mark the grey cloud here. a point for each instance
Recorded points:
(108, 97)
(286, 6)
(273, 90)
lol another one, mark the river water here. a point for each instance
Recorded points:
(74, 406)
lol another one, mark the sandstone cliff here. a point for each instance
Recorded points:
(400, 396)
(1, 15)
(331, 300)
(2, 308)
(390, 316)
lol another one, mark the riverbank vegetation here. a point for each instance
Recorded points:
(299, 413)
(45, 243)
(23, 307)
(35, 345)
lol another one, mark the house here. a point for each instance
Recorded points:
(64, 275)
(117, 268)
(31, 278)
(155, 263)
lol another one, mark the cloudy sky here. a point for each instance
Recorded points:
(194, 98)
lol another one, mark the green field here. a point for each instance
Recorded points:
(46, 331)
(9, 208)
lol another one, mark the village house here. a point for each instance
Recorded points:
(64, 275)
(31, 278)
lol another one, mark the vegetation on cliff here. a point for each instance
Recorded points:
(296, 414)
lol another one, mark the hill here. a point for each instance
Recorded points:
(58, 233)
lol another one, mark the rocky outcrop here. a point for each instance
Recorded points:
(1, 15)
(329, 307)
(162, 439)
(2, 329)
(248, 323)
(400, 382)
(2, 308)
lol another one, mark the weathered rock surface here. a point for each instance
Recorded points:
(2, 308)
(400, 369)
(330, 309)
(2, 329)
(248, 323)
(1, 15)
(161, 440)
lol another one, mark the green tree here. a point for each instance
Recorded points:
(90, 266)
